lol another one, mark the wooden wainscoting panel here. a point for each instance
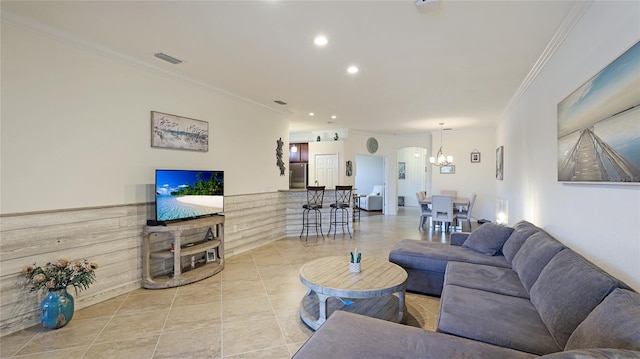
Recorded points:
(112, 236)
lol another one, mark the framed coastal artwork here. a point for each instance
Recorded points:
(177, 132)
(599, 126)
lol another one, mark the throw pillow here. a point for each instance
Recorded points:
(488, 238)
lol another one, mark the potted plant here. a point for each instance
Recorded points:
(56, 310)
(354, 263)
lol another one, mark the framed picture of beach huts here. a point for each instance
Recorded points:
(177, 132)
(599, 126)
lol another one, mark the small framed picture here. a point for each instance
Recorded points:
(475, 157)
(402, 170)
(448, 169)
(211, 255)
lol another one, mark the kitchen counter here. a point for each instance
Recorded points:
(296, 198)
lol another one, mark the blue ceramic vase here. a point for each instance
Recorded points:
(56, 309)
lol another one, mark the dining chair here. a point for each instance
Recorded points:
(465, 214)
(442, 211)
(342, 203)
(425, 211)
(315, 196)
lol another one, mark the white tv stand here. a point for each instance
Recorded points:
(215, 224)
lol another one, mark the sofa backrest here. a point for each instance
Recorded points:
(533, 256)
(522, 231)
(614, 323)
(378, 190)
(567, 290)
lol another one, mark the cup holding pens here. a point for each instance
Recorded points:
(354, 267)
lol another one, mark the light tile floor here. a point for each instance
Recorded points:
(249, 310)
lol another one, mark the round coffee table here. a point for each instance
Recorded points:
(371, 292)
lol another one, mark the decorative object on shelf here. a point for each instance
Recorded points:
(448, 170)
(171, 131)
(402, 170)
(598, 128)
(441, 159)
(349, 168)
(500, 163)
(354, 264)
(279, 161)
(335, 136)
(211, 255)
(475, 156)
(318, 139)
(372, 145)
(56, 310)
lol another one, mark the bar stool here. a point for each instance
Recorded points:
(315, 196)
(342, 203)
(356, 208)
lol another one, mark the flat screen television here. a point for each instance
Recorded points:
(188, 194)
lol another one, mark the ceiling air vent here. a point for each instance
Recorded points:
(280, 102)
(167, 58)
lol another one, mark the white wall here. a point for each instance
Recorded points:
(416, 161)
(469, 177)
(76, 127)
(602, 222)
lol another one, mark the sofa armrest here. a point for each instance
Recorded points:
(457, 238)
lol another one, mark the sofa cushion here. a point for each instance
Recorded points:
(533, 256)
(499, 280)
(494, 318)
(348, 335)
(434, 256)
(457, 238)
(488, 238)
(614, 323)
(602, 353)
(522, 231)
(567, 290)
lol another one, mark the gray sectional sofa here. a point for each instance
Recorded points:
(505, 293)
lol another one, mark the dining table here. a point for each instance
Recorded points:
(457, 201)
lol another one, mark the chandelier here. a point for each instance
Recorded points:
(441, 159)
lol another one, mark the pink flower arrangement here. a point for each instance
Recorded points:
(60, 275)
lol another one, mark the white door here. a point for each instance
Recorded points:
(327, 170)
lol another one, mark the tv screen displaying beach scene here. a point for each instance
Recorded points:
(185, 194)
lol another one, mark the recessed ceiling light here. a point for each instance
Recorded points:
(334, 117)
(311, 114)
(321, 40)
(352, 69)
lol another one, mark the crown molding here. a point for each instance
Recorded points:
(573, 17)
(19, 21)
